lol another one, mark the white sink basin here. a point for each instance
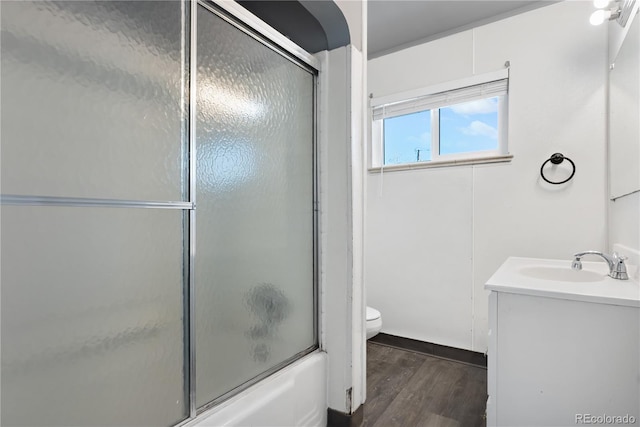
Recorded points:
(555, 279)
(561, 274)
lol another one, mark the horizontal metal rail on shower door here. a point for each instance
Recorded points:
(255, 28)
(22, 200)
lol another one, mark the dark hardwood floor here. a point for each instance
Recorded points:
(411, 389)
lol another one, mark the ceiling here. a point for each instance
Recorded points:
(398, 24)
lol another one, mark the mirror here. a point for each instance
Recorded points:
(624, 114)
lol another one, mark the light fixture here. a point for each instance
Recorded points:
(600, 15)
(620, 10)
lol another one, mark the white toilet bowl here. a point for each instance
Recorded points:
(374, 322)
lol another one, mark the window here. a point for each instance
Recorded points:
(461, 122)
(407, 138)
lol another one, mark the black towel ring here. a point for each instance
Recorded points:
(556, 159)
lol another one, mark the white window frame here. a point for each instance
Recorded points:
(433, 98)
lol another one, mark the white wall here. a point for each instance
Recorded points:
(434, 236)
(341, 209)
(342, 126)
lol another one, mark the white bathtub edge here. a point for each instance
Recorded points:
(294, 396)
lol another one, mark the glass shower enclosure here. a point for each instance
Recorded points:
(158, 222)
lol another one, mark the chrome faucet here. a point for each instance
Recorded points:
(617, 269)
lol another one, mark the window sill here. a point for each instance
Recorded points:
(443, 163)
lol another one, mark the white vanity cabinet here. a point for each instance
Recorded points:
(562, 352)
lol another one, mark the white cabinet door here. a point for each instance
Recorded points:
(556, 360)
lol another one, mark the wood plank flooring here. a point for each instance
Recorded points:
(410, 389)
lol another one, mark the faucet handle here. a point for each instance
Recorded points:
(619, 257)
(620, 269)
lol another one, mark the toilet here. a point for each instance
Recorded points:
(374, 322)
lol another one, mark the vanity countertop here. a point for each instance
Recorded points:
(555, 279)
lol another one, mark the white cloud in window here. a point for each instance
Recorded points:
(478, 128)
(481, 106)
(424, 138)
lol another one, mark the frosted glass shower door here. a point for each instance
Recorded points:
(92, 213)
(91, 99)
(254, 281)
(92, 309)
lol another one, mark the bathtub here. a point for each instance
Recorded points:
(294, 396)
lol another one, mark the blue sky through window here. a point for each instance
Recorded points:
(470, 126)
(407, 138)
(466, 127)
